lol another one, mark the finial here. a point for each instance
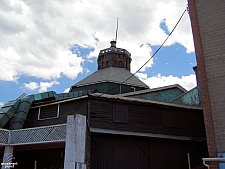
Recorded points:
(117, 28)
(113, 44)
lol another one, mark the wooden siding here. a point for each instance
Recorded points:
(66, 108)
(123, 152)
(149, 118)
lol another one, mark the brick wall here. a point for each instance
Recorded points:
(208, 20)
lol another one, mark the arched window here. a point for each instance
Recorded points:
(120, 64)
(115, 63)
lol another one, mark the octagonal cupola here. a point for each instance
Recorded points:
(114, 57)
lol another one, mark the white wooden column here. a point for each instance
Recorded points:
(7, 157)
(75, 142)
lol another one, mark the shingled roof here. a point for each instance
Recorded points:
(113, 75)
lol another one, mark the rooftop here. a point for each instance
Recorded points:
(113, 75)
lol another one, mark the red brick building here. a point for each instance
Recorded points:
(208, 26)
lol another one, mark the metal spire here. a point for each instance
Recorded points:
(117, 28)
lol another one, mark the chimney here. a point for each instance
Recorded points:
(196, 73)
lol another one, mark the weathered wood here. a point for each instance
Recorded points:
(75, 141)
(129, 152)
(148, 119)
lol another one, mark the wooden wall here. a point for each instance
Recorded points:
(148, 118)
(66, 108)
(123, 152)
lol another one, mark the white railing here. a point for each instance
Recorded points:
(45, 134)
(4, 136)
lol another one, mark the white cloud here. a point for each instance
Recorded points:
(66, 90)
(139, 55)
(188, 82)
(45, 85)
(36, 35)
(42, 86)
(1, 104)
(31, 85)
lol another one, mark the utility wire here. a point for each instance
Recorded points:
(152, 55)
(158, 48)
(16, 115)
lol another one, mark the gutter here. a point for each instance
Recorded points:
(61, 101)
(212, 160)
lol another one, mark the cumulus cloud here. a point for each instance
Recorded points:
(36, 35)
(45, 85)
(31, 85)
(42, 86)
(1, 104)
(188, 82)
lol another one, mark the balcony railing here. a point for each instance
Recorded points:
(37, 135)
(4, 136)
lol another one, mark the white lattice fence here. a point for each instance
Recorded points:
(39, 135)
(4, 136)
(56, 133)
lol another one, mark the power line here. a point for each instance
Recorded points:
(158, 48)
(152, 55)
(16, 115)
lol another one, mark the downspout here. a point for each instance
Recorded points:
(88, 113)
(35, 164)
(189, 162)
(211, 160)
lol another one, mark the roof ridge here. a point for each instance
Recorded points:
(108, 74)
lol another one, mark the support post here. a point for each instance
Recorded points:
(7, 157)
(75, 142)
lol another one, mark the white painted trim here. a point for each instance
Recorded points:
(57, 113)
(33, 143)
(219, 160)
(64, 124)
(152, 135)
(30, 143)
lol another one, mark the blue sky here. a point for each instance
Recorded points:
(49, 46)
